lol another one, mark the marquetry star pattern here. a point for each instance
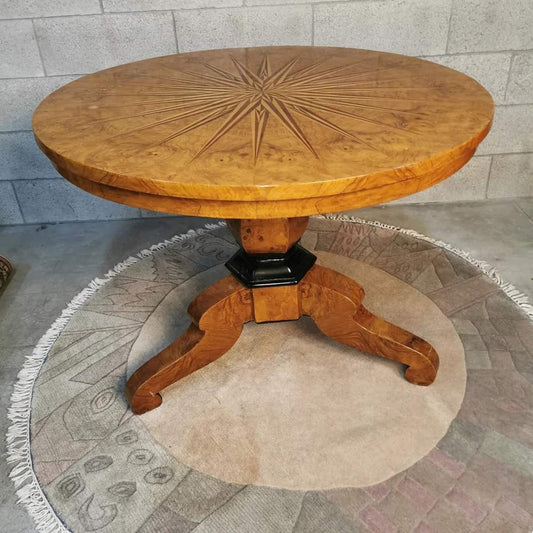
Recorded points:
(285, 94)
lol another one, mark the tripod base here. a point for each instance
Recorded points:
(331, 299)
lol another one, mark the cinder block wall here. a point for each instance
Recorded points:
(46, 43)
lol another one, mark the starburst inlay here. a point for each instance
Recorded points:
(286, 94)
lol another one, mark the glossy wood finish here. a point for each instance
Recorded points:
(266, 137)
(263, 132)
(331, 299)
(218, 314)
(334, 302)
(276, 236)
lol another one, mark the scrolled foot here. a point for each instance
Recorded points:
(220, 312)
(421, 376)
(334, 302)
(142, 403)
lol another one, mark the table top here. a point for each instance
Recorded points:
(264, 132)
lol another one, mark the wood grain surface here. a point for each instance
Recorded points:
(276, 236)
(218, 315)
(331, 299)
(263, 132)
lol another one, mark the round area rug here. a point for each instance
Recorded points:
(288, 431)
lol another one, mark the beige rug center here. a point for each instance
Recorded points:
(287, 407)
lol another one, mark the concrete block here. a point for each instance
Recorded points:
(489, 25)
(149, 5)
(47, 8)
(78, 45)
(147, 213)
(415, 27)
(469, 183)
(511, 175)
(19, 54)
(57, 201)
(511, 131)
(9, 207)
(240, 27)
(279, 2)
(520, 87)
(20, 97)
(526, 205)
(491, 70)
(20, 159)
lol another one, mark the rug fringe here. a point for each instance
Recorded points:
(519, 298)
(23, 475)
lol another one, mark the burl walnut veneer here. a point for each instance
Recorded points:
(266, 137)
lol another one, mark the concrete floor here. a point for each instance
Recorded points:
(54, 262)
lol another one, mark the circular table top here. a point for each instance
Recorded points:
(264, 132)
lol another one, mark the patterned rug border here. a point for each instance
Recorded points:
(508, 288)
(23, 475)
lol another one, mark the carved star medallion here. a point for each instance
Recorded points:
(286, 94)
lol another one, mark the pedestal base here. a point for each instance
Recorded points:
(331, 299)
(271, 270)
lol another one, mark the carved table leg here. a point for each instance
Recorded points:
(334, 303)
(218, 314)
(276, 281)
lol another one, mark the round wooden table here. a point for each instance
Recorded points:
(265, 137)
